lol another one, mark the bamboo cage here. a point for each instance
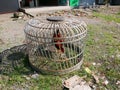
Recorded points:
(55, 44)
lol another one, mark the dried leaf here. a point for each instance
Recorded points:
(88, 70)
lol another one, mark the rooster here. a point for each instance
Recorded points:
(58, 41)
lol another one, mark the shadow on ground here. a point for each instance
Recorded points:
(15, 59)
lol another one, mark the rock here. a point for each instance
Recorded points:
(96, 78)
(71, 82)
(35, 76)
(81, 87)
(93, 87)
(19, 17)
(105, 82)
(26, 77)
(118, 82)
(94, 63)
(21, 14)
(18, 14)
(76, 83)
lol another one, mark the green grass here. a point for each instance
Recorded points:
(118, 13)
(108, 17)
(102, 46)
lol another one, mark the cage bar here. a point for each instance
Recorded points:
(55, 44)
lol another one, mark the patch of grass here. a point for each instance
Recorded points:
(49, 82)
(115, 18)
(118, 13)
(102, 46)
(103, 49)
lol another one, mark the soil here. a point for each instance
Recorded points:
(12, 34)
(12, 30)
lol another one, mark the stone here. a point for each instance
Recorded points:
(26, 77)
(71, 82)
(35, 76)
(106, 82)
(81, 87)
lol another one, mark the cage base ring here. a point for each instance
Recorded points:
(53, 72)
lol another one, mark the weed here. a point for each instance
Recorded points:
(106, 17)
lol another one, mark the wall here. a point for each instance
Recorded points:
(8, 6)
(48, 2)
(115, 2)
(86, 2)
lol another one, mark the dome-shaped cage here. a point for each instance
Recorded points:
(55, 45)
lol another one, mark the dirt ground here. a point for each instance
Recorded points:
(12, 34)
(12, 31)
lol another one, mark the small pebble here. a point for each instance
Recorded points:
(105, 82)
(35, 76)
(118, 82)
(94, 63)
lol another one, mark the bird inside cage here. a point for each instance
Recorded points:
(58, 40)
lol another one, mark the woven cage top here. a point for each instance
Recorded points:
(55, 44)
(46, 27)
